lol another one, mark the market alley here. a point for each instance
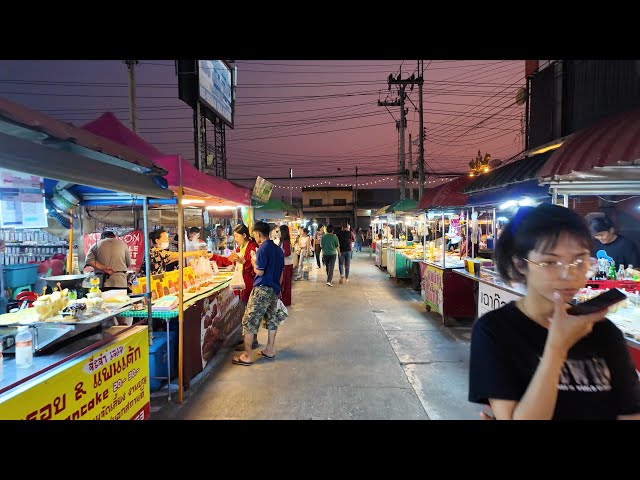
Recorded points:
(362, 350)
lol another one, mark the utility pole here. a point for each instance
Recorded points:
(410, 168)
(399, 125)
(422, 132)
(131, 65)
(290, 189)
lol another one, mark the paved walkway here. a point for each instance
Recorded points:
(362, 350)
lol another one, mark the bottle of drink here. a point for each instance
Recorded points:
(24, 347)
(620, 274)
(612, 275)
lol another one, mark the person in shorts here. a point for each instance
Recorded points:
(268, 263)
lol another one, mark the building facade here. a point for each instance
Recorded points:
(328, 205)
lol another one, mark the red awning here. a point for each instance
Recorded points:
(200, 184)
(611, 142)
(447, 195)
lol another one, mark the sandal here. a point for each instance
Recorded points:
(238, 361)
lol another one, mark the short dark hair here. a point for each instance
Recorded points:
(600, 224)
(329, 228)
(535, 228)
(242, 229)
(305, 230)
(194, 230)
(345, 224)
(155, 235)
(262, 227)
(107, 234)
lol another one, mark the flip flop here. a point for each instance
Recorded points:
(237, 361)
(270, 357)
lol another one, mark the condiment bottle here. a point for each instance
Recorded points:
(24, 347)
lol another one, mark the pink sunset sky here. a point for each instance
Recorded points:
(319, 117)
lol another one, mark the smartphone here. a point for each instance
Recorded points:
(601, 302)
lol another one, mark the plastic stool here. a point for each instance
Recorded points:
(24, 288)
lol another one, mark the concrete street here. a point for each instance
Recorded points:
(366, 349)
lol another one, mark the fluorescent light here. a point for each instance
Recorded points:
(525, 202)
(508, 204)
(220, 207)
(189, 201)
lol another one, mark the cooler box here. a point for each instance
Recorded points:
(158, 357)
(20, 274)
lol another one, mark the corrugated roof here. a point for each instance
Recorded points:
(607, 143)
(509, 174)
(36, 121)
(448, 195)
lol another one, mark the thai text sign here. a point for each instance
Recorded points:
(492, 298)
(109, 384)
(432, 285)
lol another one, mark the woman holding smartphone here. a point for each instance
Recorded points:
(532, 360)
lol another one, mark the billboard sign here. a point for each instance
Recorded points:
(215, 88)
(262, 190)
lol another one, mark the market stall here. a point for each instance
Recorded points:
(65, 331)
(443, 291)
(189, 302)
(401, 218)
(380, 225)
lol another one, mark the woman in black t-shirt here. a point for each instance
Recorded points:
(530, 359)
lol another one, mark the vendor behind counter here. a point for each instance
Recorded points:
(160, 256)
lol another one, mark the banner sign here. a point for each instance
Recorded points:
(133, 239)
(109, 384)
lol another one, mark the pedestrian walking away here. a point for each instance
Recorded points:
(330, 250)
(345, 236)
(268, 264)
(304, 262)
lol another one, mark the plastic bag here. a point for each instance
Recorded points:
(237, 282)
(281, 312)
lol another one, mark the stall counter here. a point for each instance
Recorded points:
(446, 293)
(87, 380)
(210, 320)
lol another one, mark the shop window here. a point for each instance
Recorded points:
(315, 202)
(341, 202)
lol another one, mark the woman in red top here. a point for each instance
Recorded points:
(242, 255)
(285, 243)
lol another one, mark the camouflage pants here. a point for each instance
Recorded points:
(262, 305)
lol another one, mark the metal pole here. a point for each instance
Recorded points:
(444, 247)
(355, 203)
(466, 236)
(566, 200)
(180, 287)
(290, 187)
(403, 177)
(410, 168)
(554, 196)
(70, 254)
(147, 264)
(475, 234)
(420, 125)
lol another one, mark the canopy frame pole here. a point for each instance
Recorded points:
(180, 289)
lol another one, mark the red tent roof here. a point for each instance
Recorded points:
(200, 184)
(446, 195)
(108, 126)
(67, 132)
(610, 141)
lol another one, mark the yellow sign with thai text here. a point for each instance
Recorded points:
(109, 384)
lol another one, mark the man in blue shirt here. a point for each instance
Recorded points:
(268, 263)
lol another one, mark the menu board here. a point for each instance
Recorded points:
(22, 203)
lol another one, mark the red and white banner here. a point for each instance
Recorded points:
(133, 239)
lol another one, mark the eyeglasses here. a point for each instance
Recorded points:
(586, 266)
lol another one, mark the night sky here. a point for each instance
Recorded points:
(320, 118)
